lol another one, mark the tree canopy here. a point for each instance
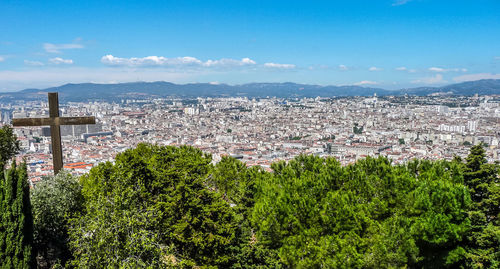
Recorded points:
(173, 207)
(55, 200)
(9, 145)
(152, 208)
(369, 214)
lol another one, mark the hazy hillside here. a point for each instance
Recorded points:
(91, 91)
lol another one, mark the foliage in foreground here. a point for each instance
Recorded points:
(163, 207)
(55, 199)
(484, 236)
(152, 209)
(16, 222)
(370, 214)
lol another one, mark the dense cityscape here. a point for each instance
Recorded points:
(262, 131)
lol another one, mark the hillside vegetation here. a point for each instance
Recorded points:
(171, 207)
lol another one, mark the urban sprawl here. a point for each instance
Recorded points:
(262, 131)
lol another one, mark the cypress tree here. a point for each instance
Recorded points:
(16, 230)
(3, 212)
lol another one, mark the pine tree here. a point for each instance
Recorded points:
(483, 182)
(16, 230)
(153, 209)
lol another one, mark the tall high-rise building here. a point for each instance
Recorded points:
(471, 126)
(443, 109)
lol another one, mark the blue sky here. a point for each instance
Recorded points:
(380, 43)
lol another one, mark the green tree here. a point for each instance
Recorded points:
(356, 129)
(370, 214)
(239, 185)
(158, 207)
(54, 201)
(484, 184)
(16, 224)
(9, 145)
(299, 210)
(152, 208)
(229, 177)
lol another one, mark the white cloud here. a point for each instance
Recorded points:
(279, 66)
(319, 67)
(55, 76)
(374, 68)
(33, 63)
(400, 2)
(437, 79)
(151, 61)
(58, 48)
(4, 57)
(436, 69)
(228, 62)
(472, 77)
(59, 60)
(247, 61)
(366, 82)
(497, 58)
(403, 68)
(442, 70)
(343, 67)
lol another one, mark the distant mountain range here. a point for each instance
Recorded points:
(141, 90)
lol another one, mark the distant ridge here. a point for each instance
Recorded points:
(481, 87)
(140, 90)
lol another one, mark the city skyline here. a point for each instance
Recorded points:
(386, 44)
(262, 131)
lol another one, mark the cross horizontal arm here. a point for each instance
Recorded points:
(53, 121)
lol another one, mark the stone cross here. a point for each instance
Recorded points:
(55, 131)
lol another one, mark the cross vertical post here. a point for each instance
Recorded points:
(55, 132)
